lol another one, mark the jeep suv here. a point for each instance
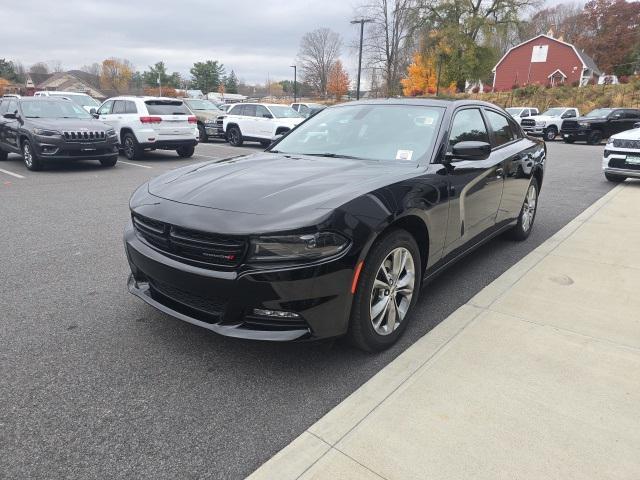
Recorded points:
(258, 122)
(598, 124)
(82, 99)
(46, 129)
(207, 114)
(150, 123)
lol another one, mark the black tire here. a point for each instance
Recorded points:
(523, 228)
(614, 178)
(202, 134)
(362, 332)
(234, 136)
(3, 155)
(594, 138)
(130, 147)
(550, 134)
(109, 162)
(569, 139)
(186, 152)
(30, 158)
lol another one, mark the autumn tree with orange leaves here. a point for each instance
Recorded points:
(338, 82)
(421, 77)
(115, 74)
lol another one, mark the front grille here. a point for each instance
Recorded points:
(569, 125)
(528, 122)
(208, 305)
(620, 163)
(77, 136)
(254, 322)
(620, 143)
(191, 246)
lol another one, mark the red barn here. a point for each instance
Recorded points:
(543, 60)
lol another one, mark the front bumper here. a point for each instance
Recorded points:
(615, 163)
(52, 148)
(578, 134)
(223, 301)
(214, 130)
(533, 130)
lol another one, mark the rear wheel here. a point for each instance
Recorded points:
(31, 159)
(202, 134)
(550, 133)
(186, 152)
(614, 178)
(234, 136)
(109, 162)
(131, 148)
(386, 292)
(3, 155)
(594, 138)
(523, 228)
(569, 139)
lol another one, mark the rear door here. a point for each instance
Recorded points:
(10, 127)
(475, 185)
(618, 122)
(632, 116)
(174, 119)
(263, 122)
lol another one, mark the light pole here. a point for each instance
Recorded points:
(295, 81)
(362, 21)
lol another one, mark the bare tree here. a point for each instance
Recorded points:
(390, 38)
(318, 52)
(94, 69)
(39, 67)
(56, 66)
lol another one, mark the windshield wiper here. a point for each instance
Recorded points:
(32, 116)
(333, 155)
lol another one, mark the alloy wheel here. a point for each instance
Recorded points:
(128, 147)
(27, 155)
(392, 291)
(529, 208)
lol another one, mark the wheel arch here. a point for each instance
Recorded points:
(124, 131)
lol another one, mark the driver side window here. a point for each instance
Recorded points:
(468, 125)
(105, 109)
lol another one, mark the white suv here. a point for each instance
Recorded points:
(82, 99)
(150, 123)
(258, 122)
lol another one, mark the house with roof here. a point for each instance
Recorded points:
(71, 81)
(544, 60)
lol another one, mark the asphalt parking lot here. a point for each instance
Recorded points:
(96, 384)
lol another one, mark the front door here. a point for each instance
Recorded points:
(475, 186)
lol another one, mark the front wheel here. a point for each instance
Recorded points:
(109, 162)
(3, 155)
(594, 138)
(523, 228)
(386, 292)
(31, 159)
(614, 178)
(185, 152)
(550, 134)
(235, 136)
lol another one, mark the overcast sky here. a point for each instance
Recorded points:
(252, 37)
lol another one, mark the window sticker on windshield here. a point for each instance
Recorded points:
(423, 120)
(404, 155)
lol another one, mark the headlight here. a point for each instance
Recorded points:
(312, 246)
(43, 132)
(111, 132)
(540, 124)
(610, 142)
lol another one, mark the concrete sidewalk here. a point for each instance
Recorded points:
(536, 377)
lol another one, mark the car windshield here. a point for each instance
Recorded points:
(53, 109)
(514, 111)
(401, 133)
(281, 111)
(599, 112)
(554, 112)
(202, 105)
(83, 100)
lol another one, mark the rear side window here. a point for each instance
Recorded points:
(130, 107)
(502, 132)
(166, 107)
(468, 125)
(118, 106)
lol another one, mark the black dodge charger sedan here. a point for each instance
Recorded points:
(44, 129)
(335, 228)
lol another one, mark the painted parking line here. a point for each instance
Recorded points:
(134, 164)
(11, 173)
(197, 155)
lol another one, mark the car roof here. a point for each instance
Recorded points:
(143, 98)
(43, 99)
(264, 104)
(426, 102)
(54, 93)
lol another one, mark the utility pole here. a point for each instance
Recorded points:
(295, 81)
(362, 21)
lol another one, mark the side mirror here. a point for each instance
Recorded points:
(267, 115)
(470, 150)
(93, 111)
(636, 125)
(12, 116)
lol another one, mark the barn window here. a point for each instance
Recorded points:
(539, 53)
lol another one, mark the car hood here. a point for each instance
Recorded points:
(591, 119)
(206, 115)
(543, 118)
(90, 124)
(633, 134)
(268, 183)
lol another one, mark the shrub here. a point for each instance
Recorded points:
(515, 86)
(575, 83)
(488, 89)
(475, 89)
(624, 79)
